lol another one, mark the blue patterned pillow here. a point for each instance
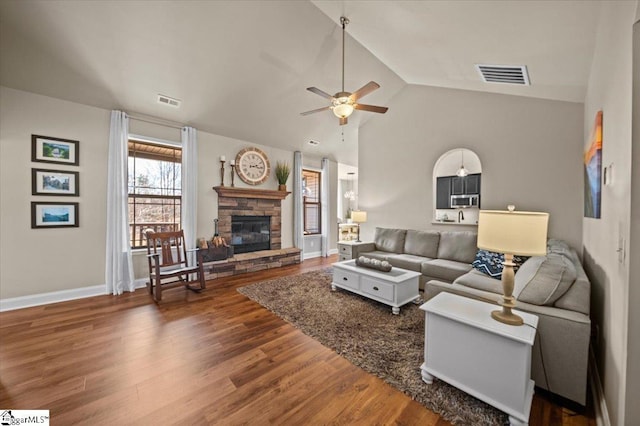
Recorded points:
(490, 263)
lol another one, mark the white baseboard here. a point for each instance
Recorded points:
(599, 402)
(52, 297)
(59, 296)
(311, 255)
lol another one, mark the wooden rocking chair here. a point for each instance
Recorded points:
(168, 263)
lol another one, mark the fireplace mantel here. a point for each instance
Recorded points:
(265, 194)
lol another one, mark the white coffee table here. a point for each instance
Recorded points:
(394, 288)
(468, 349)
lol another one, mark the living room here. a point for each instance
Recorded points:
(55, 82)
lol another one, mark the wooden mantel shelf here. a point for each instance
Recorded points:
(235, 192)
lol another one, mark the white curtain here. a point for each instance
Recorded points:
(324, 203)
(298, 231)
(189, 207)
(119, 269)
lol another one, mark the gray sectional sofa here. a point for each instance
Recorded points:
(553, 287)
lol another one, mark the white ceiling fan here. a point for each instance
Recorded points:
(343, 103)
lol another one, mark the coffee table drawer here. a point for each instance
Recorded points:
(346, 278)
(377, 288)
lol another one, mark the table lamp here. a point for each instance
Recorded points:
(358, 216)
(512, 233)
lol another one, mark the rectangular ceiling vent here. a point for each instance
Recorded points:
(506, 74)
(166, 100)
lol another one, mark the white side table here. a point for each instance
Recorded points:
(490, 360)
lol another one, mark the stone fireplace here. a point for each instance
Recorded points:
(255, 208)
(233, 202)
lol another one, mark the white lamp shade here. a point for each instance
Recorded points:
(342, 110)
(519, 233)
(358, 216)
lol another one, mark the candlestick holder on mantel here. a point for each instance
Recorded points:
(222, 172)
(233, 169)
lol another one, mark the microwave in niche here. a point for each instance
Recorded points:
(464, 201)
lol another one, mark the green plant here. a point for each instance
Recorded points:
(282, 172)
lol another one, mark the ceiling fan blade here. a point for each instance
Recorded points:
(364, 90)
(320, 92)
(371, 108)
(343, 120)
(315, 110)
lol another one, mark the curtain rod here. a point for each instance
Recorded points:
(157, 121)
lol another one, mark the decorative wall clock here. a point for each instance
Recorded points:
(252, 166)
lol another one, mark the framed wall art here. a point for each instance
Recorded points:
(55, 182)
(54, 215)
(593, 171)
(46, 149)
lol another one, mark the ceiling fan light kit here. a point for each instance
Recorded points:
(343, 103)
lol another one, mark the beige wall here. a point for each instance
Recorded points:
(530, 151)
(632, 408)
(610, 90)
(36, 261)
(47, 260)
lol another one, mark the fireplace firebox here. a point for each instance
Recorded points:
(250, 233)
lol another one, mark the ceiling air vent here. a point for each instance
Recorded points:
(508, 74)
(166, 100)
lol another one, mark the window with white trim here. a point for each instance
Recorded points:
(311, 206)
(155, 189)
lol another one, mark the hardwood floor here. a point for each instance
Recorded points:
(215, 357)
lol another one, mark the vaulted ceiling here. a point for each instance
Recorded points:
(241, 68)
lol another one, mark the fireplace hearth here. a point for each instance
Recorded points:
(250, 233)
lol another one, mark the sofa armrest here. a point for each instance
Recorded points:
(360, 249)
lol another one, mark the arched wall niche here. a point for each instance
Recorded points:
(450, 187)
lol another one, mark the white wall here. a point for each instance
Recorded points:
(36, 261)
(610, 90)
(530, 151)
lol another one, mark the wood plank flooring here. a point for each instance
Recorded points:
(209, 358)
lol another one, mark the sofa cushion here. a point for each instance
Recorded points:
(458, 246)
(559, 247)
(443, 269)
(490, 263)
(422, 243)
(541, 280)
(478, 280)
(390, 240)
(407, 261)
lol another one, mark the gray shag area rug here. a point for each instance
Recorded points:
(367, 334)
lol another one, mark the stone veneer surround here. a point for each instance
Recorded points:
(228, 207)
(251, 202)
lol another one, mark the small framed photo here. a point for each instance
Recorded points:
(55, 182)
(46, 149)
(54, 215)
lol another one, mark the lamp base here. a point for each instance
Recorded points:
(507, 317)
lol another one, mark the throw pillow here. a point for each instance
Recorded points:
(544, 279)
(490, 263)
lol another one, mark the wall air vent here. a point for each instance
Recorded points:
(166, 100)
(506, 74)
